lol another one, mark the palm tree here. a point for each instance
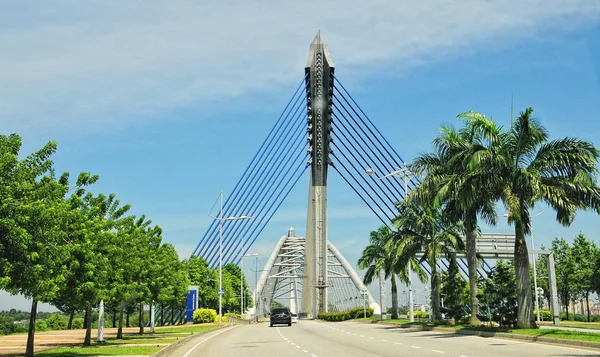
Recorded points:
(451, 182)
(423, 229)
(527, 169)
(381, 254)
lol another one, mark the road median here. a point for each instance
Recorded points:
(569, 340)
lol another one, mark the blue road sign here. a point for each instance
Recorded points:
(221, 292)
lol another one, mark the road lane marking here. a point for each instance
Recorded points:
(415, 346)
(437, 351)
(398, 343)
(313, 355)
(305, 351)
(297, 346)
(372, 338)
(362, 335)
(206, 339)
(384, 340)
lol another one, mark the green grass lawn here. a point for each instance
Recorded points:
(137, 341)
(190, 329)
(552, 333)
(590, 325)
(98, 351)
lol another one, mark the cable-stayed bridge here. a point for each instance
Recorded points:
(321, 127)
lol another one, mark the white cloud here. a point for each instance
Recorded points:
(69, 65)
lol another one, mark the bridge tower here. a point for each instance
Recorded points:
(319, 96)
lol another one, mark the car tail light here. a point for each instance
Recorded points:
(289, 315)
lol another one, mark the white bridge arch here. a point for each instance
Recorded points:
(283, 277)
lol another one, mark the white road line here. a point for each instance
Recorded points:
(206, 339)
(437, 351)
(384, 340)
(415, 346)
(298, 346)
(305, 351)
(372, 338)
(313, 355)
(398, 343)
(354, 334)
(362, 335)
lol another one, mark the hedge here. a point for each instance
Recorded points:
(355, 313)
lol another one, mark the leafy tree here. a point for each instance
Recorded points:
(565, 270)
(585, 254)
(499, 293)
(453, 286)
(453, 181)
(424, 229)
(522, 167)
(207, 281)
(36, 246)
(382, 253)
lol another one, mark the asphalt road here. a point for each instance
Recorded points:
(349, 339)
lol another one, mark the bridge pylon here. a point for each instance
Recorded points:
(319, 97)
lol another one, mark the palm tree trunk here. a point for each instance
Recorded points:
(435, 292)
(525, 317)
(472, 265)
(88, 328)
(31, 334)
(394, 297)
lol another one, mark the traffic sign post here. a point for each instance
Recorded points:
(221, 291)
(364, 293)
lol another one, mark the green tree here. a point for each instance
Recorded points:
(565, 270)
(499, 293)
(585, 254)
(455, 182)
(207, 281)
(521, 168)
(453, 286)
(382, 253)
(424, 229)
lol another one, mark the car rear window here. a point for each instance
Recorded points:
(280, 310)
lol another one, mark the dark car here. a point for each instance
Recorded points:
(281, 315)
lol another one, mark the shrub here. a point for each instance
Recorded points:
(545, 315)
(57, 322)
(355, 313)
(7, 326)
(204, 316)
(41, 325)
(77, 323)
(421, 315)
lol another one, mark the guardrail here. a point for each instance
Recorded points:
(237, 321)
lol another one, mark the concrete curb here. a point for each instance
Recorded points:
(504, 335)
(165, 351)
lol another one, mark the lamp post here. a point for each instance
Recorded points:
(242, 279)
(221, 219)
(406, 175)
(535, 287)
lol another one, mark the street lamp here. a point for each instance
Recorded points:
(242, 279)
(537, 297)
(221, 219)
(406, 175)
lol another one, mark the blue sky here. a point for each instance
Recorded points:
(169, 102)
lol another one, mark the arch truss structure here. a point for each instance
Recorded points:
(283, 280)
